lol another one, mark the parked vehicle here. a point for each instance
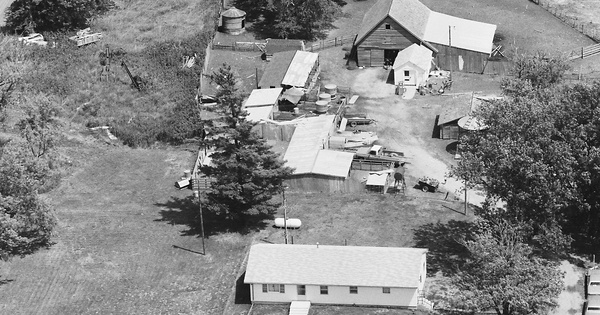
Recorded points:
(593, 284)
(428, 184)
(592, 306)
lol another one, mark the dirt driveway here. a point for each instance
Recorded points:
(407, 126)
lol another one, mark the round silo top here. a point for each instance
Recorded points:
(234, 13)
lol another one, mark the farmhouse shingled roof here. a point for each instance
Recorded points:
(334, 265)
(275, 45)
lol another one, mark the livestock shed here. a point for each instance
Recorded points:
(261, 104)
(346, 275)
(456, 115)
(316, 168)
(391, 26)
(412, 65)
(289, 69)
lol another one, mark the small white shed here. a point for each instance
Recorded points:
(412, 65)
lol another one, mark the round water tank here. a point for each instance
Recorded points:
(331, 89)
(321, 106)
(325, 97)
(187, 173)
(233, 21)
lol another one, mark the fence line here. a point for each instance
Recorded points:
(586, 29)
(326, 43)
(239, 46)
(585, 52)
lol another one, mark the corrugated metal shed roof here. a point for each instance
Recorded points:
(276, 69)
(333, 163)
(418, 55)
(299, 69)
(454, 107)
(256, 114)
(308, 139)
(334, 265)
(263, 97)
(465, 34)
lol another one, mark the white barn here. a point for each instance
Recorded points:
(347, 275)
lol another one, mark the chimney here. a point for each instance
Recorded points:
(317, 244)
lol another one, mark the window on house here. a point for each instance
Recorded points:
(273, 288)
(387, 26)
(301, 290)
(353, 290)
(420, 278)
(406, 73)
(386, 290)
(324, 290)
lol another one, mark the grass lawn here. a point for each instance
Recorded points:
(333, 310)
(114, 250)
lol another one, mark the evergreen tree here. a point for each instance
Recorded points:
(246, 171)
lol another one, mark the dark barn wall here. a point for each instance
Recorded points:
(324, 184)
(371, 49)
(448, 58)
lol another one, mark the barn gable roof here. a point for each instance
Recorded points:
(410, 14)
(429, 26)
(395, 267)
(463, 33)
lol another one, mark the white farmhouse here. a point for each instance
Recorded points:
(351, 275)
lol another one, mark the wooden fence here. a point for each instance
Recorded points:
(585, 52)
(326, 43)
(588, 29)
(239, 46)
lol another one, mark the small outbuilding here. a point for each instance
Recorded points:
(412, 65)
(346, 275)
(233, 21)
(289, 69)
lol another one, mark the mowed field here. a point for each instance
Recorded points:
(119, 220)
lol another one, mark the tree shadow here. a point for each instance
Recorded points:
(242, 291)
(445, 244)
(185, 211)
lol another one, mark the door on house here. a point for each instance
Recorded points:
(301, 292)
(410, 77)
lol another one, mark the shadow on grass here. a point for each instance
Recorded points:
(5, 281)
(444, 241)
(242, 291)
(185, 211)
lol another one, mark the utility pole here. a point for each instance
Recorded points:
(450, 51)
(197, 195)
(465, 197)
(284, 215)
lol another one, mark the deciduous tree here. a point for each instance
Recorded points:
(53, 15)
(503, 275)
(304, 19)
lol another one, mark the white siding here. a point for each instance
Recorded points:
(406, 297)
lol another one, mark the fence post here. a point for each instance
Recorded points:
(581, 52)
